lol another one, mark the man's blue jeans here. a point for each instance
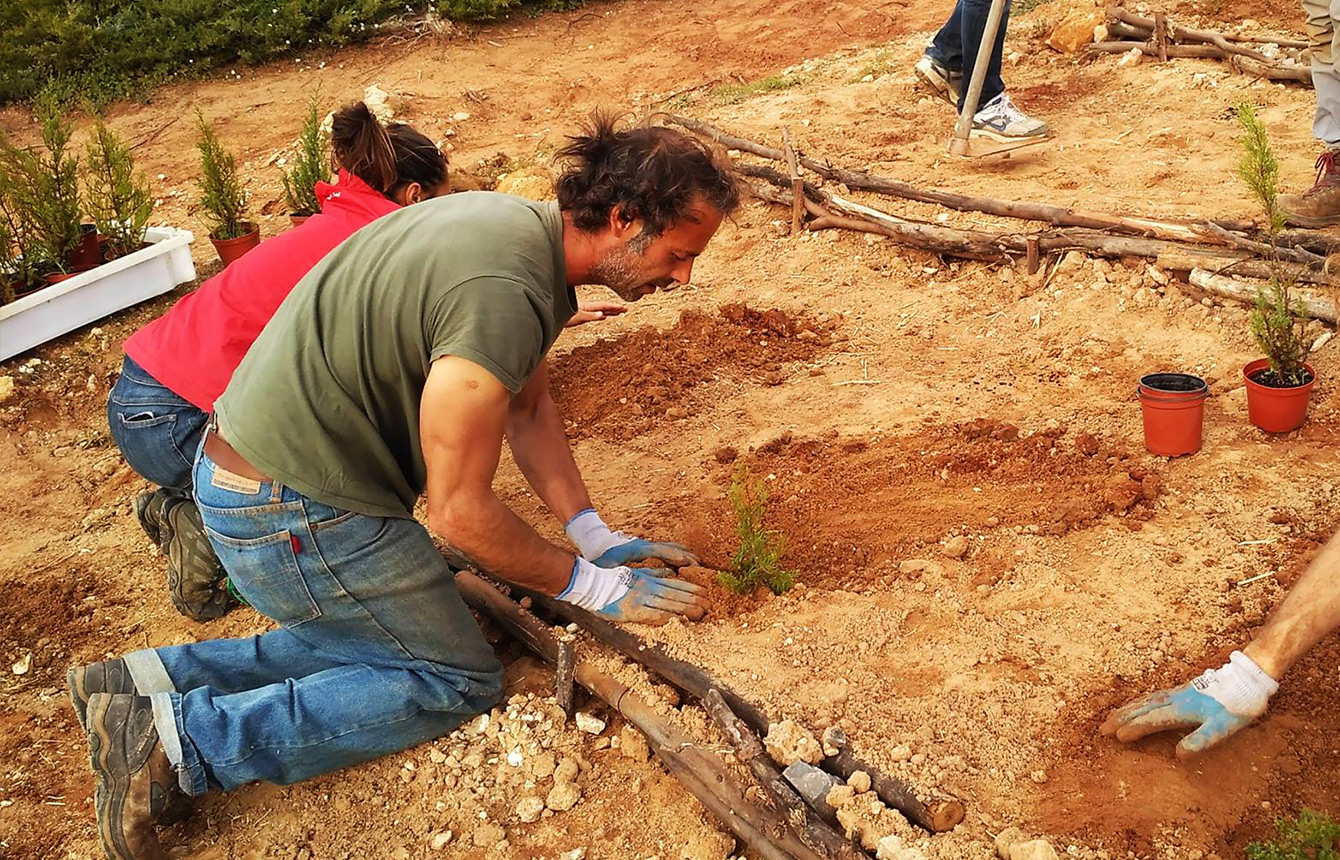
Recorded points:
(955, 47)
(157, 431)
(375, 653)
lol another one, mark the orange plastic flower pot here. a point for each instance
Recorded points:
(1173, 406)
(1276, 410)
(230, 249)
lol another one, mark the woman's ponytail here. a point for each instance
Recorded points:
(363, 147)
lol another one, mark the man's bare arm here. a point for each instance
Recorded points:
(534, 430)
(1309, 612)
(463, 413)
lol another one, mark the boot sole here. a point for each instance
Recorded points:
(938, 86)
(1017, 140)
(74, 681)
(113, 782)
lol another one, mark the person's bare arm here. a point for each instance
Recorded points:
(1225, 700)
(534, 430)
(1309, 612)
(462, 417)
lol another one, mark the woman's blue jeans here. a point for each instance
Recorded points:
(375, 652)
(955, 47)
(157, 431)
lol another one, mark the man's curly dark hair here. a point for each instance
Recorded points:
(649, 172)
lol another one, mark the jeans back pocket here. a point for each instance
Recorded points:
(264, 570)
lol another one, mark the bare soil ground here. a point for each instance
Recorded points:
(888, 400)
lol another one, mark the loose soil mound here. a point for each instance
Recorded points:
(620, 388)
(848, 508)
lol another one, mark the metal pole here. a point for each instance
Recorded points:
(958, 144)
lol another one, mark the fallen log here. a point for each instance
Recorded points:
(762, 830)
(1060, 216)
(1116, 13)
(749, 750)
(1179, 261)
(1246, 292)
(1293, 255)
(1271, 71)
(928, 812)
(1177, 52)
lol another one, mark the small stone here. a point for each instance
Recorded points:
(955, 547)
(23, 665)
(902, 752)
(788, 741)
(592, 725)
(563, 796)
(1006, 839)
(633, 744)
(436, 756)
(859, 780)
(1087, 444)
(1075, 30)
(566, 770)
(460, 116)
(440, 840)
(1036, 849)
(488, 834)
(542, 765)
(6, 388)
(1130, 58)
(891, 847)
(529, 809)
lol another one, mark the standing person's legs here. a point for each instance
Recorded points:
(941, 68)
(1320, 205)
(158, 433)
(972, 22)
(377, 653)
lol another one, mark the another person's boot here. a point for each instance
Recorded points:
(1000, 120)
(136, 783)
(108, 676)
(1319, 206)
(197, 583)
(149, 511)
(945, 82)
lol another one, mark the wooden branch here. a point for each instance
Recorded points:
(1151, 50)
(697, 683)
(702, 774)
(780, 179)
(1271, 71)
(1293, 255)
(1187, 34)
(1246, 292)
(1161, 36)
(564, 666)
(749, 750)
(1179, 261)
(940, 816)
(797, 184)
(1024, 210)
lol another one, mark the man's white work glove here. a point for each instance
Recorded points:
(628, 594)
(596, 542)
(1216, 704)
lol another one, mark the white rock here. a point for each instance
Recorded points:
(955, 547)
(891, 847)
(440, 840)
(515, 759)
(1322, 339)
(23, 665)
(1130, 58)
(479, 724)
(460, 116)
(1036, 849)
(590, 724)
(529, 809)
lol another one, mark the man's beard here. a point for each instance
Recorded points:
(621, 269)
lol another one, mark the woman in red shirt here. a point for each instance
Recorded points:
(177, 365)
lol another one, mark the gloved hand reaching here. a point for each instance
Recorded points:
(640, 595)
(1216, 704)
(597, 543)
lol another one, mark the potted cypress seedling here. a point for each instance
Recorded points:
(21, 265)
(1279, 385)
(52, 201)
(118, 198)
(223, 198)
(310, 166)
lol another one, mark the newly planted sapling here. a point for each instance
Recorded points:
(1278, 321)
(222, 195)
(52, 201)
(758, 559)
(310, 165)
(119, 200)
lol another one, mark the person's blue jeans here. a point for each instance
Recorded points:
(955, 47)
(157, 431)
(376, 652)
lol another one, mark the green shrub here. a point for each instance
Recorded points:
(21, 260)
(310, 165)
(119, 200)
(101, 50)
(222, 195)
(1310, 836)
(758, 559)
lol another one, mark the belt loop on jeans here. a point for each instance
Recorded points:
(276, 492)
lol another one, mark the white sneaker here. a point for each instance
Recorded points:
(1004, 122)
(942, 81)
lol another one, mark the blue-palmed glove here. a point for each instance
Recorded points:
(644, 595)
(1217, 704)
(597, 543)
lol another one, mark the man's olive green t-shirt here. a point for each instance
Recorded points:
(327, 398)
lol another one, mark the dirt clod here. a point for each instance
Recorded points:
(788, 741)
(563, 796)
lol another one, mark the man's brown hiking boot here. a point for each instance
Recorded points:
(136, 782)
(109, 676)
(196, 580)
(1319, 206)
(149, 511)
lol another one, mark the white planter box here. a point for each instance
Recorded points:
(92, 295)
